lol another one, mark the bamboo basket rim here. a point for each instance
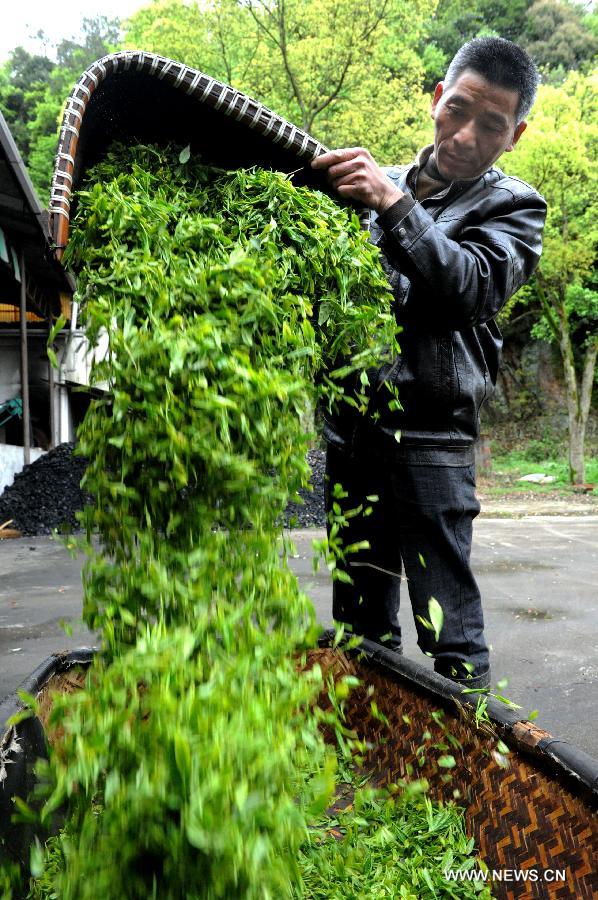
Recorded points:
(560, 756)
(202, 93)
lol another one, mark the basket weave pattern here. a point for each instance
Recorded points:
(521, 817)
(206, 90)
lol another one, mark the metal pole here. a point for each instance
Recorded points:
(24, 365)
(51, 391)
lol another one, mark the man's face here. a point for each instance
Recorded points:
(475, 122)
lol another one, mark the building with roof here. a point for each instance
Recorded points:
(38, 407)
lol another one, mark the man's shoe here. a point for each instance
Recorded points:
(473, 682)
(393, 644)
(456, 671)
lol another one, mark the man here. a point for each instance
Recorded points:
(458, 237)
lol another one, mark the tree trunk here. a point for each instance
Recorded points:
(577, 433)
(576, 442)
(579, 396)
(576, 436)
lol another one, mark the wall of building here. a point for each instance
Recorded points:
(54, 418)
(77, 357)
(10, 385)
(11, 462)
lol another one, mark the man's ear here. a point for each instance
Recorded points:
(516, 135)
(438, 92)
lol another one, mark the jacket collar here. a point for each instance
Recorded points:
(452, 187)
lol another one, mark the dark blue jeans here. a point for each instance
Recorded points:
(422, 523)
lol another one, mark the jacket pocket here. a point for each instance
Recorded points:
(447, 380)
(427, 383)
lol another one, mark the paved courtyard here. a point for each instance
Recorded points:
(539, 580)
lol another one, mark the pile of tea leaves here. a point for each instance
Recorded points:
(193, 764)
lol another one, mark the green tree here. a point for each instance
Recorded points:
(590, 21)
(99, 35)
(557, 155)
(318, 48)
(33, 90)
(25, 79)
(346, 72)
(454, 23)
(219, 38)
(556, 33)
(557, 36)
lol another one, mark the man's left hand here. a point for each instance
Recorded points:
(355, 174)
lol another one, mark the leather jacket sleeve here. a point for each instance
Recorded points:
(464, 268)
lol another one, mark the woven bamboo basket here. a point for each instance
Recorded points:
(540, 812)
(21, 745)
(537, 814)
(139, 97)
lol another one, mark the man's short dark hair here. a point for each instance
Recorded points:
(500, 62)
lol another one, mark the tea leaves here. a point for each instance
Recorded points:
(193, 765)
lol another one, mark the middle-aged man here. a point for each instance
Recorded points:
(458, 237)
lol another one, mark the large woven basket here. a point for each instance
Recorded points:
(536, 815)
(21, 745)
(139, 97)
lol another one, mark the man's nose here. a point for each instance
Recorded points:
(466, 135)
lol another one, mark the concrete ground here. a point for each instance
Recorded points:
(539, 581)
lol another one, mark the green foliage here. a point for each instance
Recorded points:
(47, 864)
(33, 90)
(349, 73)
(229, 300)
(590, 20)
(220, 38)
(193, 764)
(24, 84)
(555, 32)
(389, 848)
(557, 36)
(454, 23)
(558, 156)
(435, 613)
(214, 285)
(581, 305)
(539, 458)
(99, 35)
(198, 742)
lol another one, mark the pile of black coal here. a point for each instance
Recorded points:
(310, 513)
(46, 494)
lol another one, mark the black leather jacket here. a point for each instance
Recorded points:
(452, 262)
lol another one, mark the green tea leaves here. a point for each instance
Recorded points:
(436, 616)
(231, 302)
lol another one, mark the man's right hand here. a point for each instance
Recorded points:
(355, 174)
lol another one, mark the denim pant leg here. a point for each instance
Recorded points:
(370, 605)
(435, 507)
